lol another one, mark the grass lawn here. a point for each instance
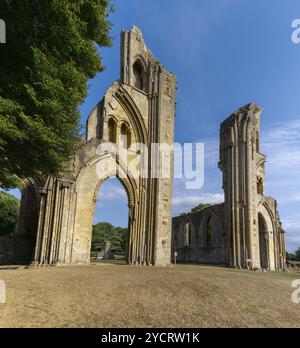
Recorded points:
(116, 295)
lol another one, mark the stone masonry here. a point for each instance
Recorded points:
(245, 231)
(136, 111)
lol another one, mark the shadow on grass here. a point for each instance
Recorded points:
(10, 268)
(109, 262)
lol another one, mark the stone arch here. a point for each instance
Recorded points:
(121, 173)
(67, 207)
(24, 238)
(187, 234)
(131, 202)
(209, 232)
(112, 129)
(134, 115)
(210, 217)
(141, 60)
(87, 185)
(139, 73)
(125, 135)
(257, 142)
(260, 185)
(263, 242)
(187, 240)
(266, 237)
(2, 32)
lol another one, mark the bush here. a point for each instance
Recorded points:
(9, 213)
(104, 231)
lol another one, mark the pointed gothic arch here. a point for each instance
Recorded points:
(67, 202)
(263, 242)
(132, 111)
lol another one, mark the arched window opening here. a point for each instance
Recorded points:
(187, 234)
(125, 136)
(112, 131)
(138, 75)
(209, 233)
(263, 242)
(260, 186)
(110, 224)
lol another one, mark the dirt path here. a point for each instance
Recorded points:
(125, 296)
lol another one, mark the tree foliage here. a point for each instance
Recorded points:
(104, 231)
(49, 55)
(9, 213)
(290, 256)
(293, 256)
(200, 207)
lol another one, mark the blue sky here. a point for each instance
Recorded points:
(225, 54)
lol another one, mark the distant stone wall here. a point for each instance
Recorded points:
(6, 249)
(199, 237)
(18, 248)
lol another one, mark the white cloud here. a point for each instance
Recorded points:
(211, 150)
(183, 203)
(283, 133)
(291, 225)
(283, 157)
(290, 198)
(111, 192)
(211, 198)
(281, 144)
(292, 241)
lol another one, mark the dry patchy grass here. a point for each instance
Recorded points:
(114, 295)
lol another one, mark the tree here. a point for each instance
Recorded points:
(104, 231)
(9, 213)
(122, 233)
(101, 232)
(200, 207)
(290, 256)
(297, 254)
(49, 55)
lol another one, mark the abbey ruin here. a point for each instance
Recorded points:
(55, 225)
(245, 231)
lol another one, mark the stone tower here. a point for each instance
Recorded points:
(136, 111)
(254, 237)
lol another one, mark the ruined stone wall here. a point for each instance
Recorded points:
(6, 250)
(199, 237)
(246, 207)
(18, 248)
(247, 231)
(135, 112)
